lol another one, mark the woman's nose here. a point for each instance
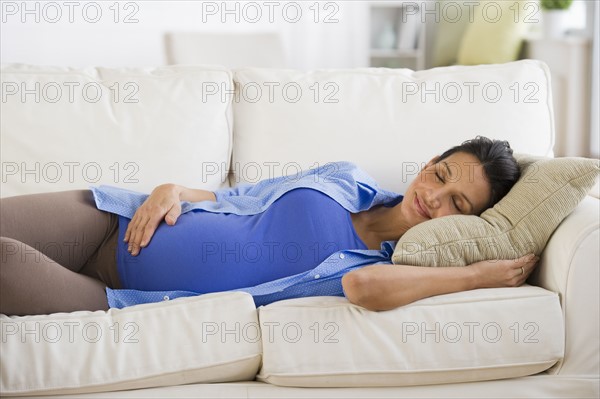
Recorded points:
(431, 198)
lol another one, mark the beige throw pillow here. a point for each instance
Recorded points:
(496, 32)
(522, 222)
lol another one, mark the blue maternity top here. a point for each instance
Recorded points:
(350, 186)
(210, 252)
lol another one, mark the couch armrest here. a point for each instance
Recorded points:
(569, 266)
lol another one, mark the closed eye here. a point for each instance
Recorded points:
(456, 206)
(439, 177)
(453, 199)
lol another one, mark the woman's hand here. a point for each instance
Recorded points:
(163, 203)
(503, 273)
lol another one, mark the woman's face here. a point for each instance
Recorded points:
(456, 185)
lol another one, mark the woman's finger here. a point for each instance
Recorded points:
(525, 258)
(173, 214)
(129, 228)
(149, 230)
(134, 223)
(526, 269)
(129, 233)
(138, 232)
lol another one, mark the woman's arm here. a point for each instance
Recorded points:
(163, 203)
(384, 287)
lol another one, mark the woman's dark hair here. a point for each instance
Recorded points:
(499, 164)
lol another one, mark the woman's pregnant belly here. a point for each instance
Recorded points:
(210, 252)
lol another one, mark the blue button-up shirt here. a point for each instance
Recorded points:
(350, 186)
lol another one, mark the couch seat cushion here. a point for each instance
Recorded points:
(209, 338)
(474, 335)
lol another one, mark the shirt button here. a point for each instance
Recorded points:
(166, 298)
(342, 256)
(317, 275)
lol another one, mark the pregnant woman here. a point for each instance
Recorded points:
(325, 231)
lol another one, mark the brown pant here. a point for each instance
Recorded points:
(58, 253)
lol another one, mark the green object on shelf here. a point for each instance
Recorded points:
(556, 4)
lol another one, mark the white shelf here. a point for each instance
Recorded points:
(393, 27)
(385, 53)
(395, 4)
(568, 59)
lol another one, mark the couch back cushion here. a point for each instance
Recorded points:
(68, 128)
(388, 121)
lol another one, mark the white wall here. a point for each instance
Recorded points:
(594, 9)
(130, 33)
(327, 34)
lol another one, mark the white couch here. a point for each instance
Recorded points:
(67, 128)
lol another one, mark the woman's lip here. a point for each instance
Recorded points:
(420, 209)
